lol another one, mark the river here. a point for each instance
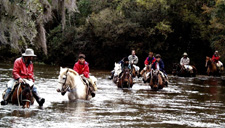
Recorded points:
(186, 102)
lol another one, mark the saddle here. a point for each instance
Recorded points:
(90, 88)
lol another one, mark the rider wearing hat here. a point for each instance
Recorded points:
(216, 59)
(184, 62)
(23, 69)
(159, 64)
(82, 68)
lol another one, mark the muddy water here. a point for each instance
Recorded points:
(187, 102)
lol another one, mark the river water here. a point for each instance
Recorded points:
(186, 102)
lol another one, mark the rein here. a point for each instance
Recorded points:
(19, 96)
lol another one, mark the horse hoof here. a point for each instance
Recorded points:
(4, 102)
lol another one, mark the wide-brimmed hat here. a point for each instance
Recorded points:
(185, 54)
(29, 52)
(216, 51)
(81, 56)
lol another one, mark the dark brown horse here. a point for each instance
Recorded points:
(181, 71)
(125, 80)
(22, 95)
(212, 69)
(156, 81)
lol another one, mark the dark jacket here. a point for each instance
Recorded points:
(161, 65)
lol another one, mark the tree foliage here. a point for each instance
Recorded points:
(107, 30)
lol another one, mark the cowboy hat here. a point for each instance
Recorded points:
(185, 54)
(29, 52)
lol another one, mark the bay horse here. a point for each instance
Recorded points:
(125, 80)
(181, 71)
(212, 69)
(22, 94)
(156, 80)
(70, 81)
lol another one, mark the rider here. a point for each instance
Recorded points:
(23, 69)
(184, 62)
(133, 60)
(82, 68)
(159, 64)
(148, 62)
(124, 64)
(216, 58)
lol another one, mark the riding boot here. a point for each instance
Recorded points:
(6, 96)
(39, 100)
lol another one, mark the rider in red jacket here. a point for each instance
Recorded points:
(81, 67)
(216, 57)
(20, 70)
(23, 69)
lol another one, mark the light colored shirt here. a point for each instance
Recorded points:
(133, 59)
(184, 61)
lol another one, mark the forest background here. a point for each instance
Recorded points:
(107, 30)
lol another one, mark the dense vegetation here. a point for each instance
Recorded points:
(107, 30)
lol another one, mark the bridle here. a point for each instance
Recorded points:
(19, 96)
(64, 84)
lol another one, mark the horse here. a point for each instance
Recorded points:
(125, 80)
(117, 71)
(145, 74)
(70, 81)
(156, 80)
(133, 71)
(212, 69)
(181, 71)
(22, 94)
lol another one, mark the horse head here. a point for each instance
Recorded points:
(26, 97)
(207, 61)
(154, 79)
(126, 74)
(117, 69)
(63, 82)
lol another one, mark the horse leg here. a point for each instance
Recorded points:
(71, 96)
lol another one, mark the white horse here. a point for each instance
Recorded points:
(117, 69)
(71, 81)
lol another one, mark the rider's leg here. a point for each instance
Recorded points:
(8, 91)
(39, 100)
(92, 90)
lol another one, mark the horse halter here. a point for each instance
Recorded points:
(64, 84)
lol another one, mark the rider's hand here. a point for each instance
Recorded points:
(20, 80)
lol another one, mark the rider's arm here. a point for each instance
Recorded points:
(16, 70)
(136, 60)
(146, 61)
(86, 71)
(181, 61)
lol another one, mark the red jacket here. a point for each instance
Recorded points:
(82, 68)
(21, 71)
(215, 58)
(149, 60)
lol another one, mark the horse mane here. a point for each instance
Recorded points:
(69, 70)
(74, 72)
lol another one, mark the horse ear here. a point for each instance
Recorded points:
(31, 87)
